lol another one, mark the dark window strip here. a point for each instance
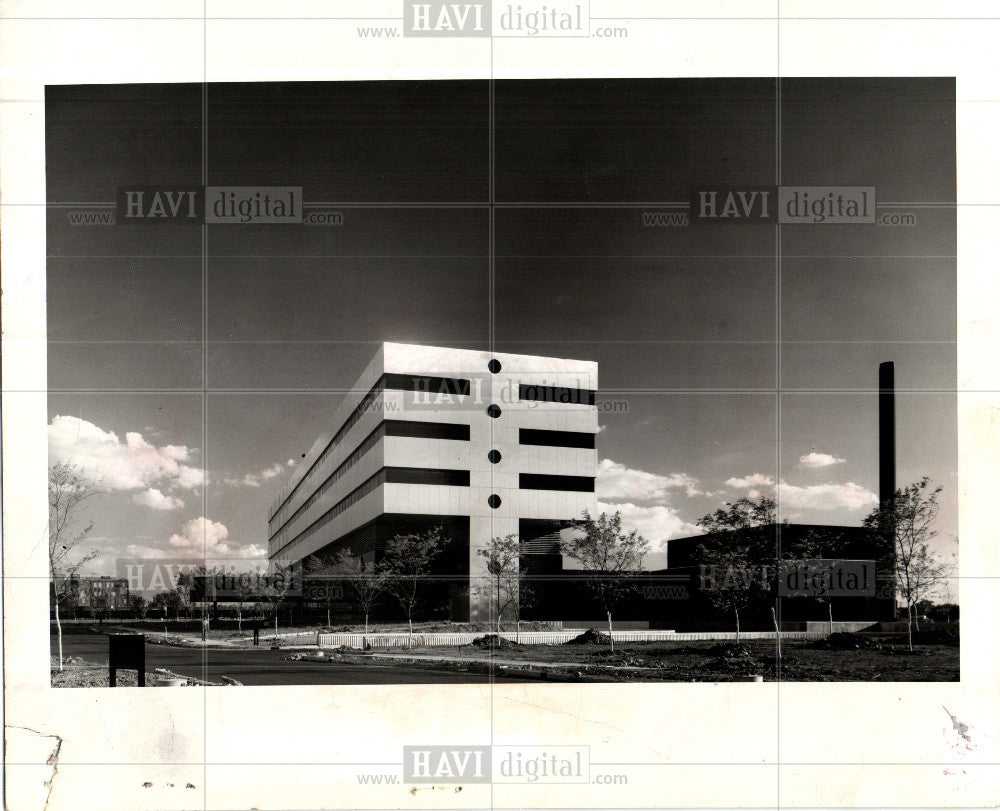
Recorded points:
(427, 430)
(432, 385)
(420, 475)
(544, 481)
(557, 394)
(556, 439)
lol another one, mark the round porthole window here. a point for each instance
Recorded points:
(493, 410)
(494, 456)
(494, 366)
(493, 501)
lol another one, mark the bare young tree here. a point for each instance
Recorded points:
(730, 592)
(406, 563)
(613, 557)
(243, 588)
(502, 563)
(70, 491)
(322, 567)
(276, 587)
(905, 524)
(365, 583)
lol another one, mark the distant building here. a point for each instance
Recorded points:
(677, 596)
(482, 444)
(108, 593)
(847, 548)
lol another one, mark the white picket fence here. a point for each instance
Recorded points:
(401, 640)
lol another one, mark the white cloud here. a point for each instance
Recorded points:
(657, 523)
(134, 464)
(615, 482)
(816, 460)
(156, 500)
(200, 532)
(275, 470)
(849, 496)
(204, 538)
(257, 479)
(753, 480)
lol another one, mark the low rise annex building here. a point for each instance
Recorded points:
(482, 444)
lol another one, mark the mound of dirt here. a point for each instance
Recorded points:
(620, 658)
(731, 650)
(734, 659)
(936, 636)
(848, 641)
(589, 637)
(494, 642)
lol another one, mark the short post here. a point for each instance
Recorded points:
(127, 652)
(777, 632)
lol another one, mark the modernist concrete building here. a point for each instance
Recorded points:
(483, 444)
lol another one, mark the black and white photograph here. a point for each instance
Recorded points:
(415, 404)
(438, 381)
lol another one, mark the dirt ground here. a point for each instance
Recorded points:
(81, 675)
(78, 672)
(713, 661)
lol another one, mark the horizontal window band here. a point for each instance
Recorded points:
(556, 439)
(402, 428)
(556, 394)
(545, 481)
(390, 475)
(395, 382)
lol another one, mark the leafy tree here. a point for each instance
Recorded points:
(937, 612)
(101, 604)
(737, 559)
(70, 492)
(186, 583)
(739, 556)
(812, 551)
(528, 592)
(503, 566)
(742, 514)
(729, 593)
(613, 558)
(406, 562)
(167, 601)
(904, 524)
(138, 604)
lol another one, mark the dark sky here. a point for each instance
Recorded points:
(686, 323)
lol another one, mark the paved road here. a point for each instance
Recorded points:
(264, 666)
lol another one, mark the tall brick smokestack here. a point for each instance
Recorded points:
(886, 431)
